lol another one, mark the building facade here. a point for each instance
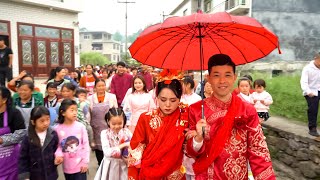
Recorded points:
(42, 34)
(295, 22)
(102, 42)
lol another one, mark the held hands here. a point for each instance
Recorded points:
(123, 145)
(190, 133)
(200, 127)
(83, 169)
(58, 160)
(22, 74)
(311, 95)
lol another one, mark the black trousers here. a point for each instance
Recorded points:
(99, 155)
(313, 105)
(76, 176)
(5, 73)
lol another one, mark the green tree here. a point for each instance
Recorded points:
(117, 36)
(133, 37)
(93, 58)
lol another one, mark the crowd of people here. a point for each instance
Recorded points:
(141, 124)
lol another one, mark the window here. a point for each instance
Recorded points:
(207, 6)
(25, 30)
(66, 34)
(114, 46)
(185, 12)
(114, 57)
(86, 36)
(4, 27)
(97, 36)
(97, 46)
(47, 32)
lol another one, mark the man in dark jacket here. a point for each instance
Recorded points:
(5, 62)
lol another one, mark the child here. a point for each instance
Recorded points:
(115, 141)
(52, 98)
(81, 94)
(261, 99)
(68, 91)
(73, 147)
(100, 103)
(51, 101)
(38, 147)
(244, 86)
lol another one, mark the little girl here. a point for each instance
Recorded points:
(244, 85)
(261, 99)
(115, 140)
(38, 147)
(138, 102)
(68, 91)
(51, 101)
(100, 103)
(73, 147)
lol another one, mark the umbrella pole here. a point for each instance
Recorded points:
(201, 64)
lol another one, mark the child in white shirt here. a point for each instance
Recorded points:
(261, 99)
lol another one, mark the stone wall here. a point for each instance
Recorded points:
(294, 156)
(295, 22)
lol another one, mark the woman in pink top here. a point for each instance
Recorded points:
(138, 102)
(73, 149)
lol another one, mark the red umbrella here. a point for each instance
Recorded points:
(189, 41)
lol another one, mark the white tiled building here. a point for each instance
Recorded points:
(43, 34)
(235, 7)
(102, 42)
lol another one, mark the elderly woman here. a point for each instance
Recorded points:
(159, 135)
(26, 99)
(12, 130)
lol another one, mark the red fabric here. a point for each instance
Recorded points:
(120, 85)
(219, 137)
(163, 153)
(175, 44)
(245, 144)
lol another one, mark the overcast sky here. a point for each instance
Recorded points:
(108, 15)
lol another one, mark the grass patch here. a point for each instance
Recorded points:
(286, 92)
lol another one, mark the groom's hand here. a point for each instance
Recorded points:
(199, 127)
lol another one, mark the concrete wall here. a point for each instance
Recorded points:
(24, 13)
(296, 22)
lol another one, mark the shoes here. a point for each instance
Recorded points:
(314, 133)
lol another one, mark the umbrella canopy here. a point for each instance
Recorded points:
(188, 42)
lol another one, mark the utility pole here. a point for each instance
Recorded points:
(164, 16)
(126, 17)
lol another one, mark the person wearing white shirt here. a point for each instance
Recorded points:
(189, 97)
(310, 85)
(261, 99)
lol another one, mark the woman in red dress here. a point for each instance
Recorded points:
(156, 146)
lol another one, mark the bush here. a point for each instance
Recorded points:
(93, 58)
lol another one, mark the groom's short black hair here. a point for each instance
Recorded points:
(220, 60)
